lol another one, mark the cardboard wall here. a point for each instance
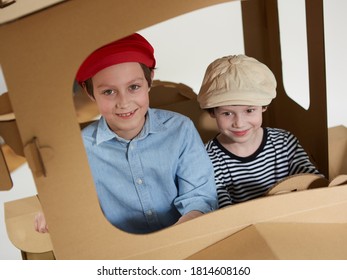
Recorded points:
(5, 179)
(258, 224)
(337, 151)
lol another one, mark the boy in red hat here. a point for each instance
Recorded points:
(150, 167)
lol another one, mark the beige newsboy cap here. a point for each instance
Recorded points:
(237, 80)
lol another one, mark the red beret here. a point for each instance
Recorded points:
(133, 48)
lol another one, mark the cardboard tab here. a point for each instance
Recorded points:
(298, 182)
(5, 178)
(36, 157)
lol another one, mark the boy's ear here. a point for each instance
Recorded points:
(152, 77)
(264, 108)
(211, 112)
(86, 91)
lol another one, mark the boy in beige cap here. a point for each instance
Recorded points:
(248, 159)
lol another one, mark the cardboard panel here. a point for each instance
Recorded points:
(298, 182)
(285, 241)
(337, 151)
(245, 244)
(262, 41)
(338, 180)
(10, 133)
(5, 105)
(316, 206)
(12, 159)
(8, 127)
(13, 9)
(5, 178)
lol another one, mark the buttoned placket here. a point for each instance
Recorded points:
(140, 184)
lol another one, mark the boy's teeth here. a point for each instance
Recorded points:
(125, 115)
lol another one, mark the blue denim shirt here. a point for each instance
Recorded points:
(147, 183)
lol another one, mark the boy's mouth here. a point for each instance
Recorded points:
(126, 115)
(240, 133)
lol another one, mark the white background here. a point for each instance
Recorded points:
(184, 46)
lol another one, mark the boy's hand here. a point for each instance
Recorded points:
(40, 223)
(189, 216)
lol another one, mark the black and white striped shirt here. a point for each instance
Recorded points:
(240, 179)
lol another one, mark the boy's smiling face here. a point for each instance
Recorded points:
(239, 124)
(121, 94)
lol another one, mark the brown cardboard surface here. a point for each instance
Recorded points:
(323, 241)
(12, 159)
(8, 127)
(338, 180)
(5, 179)
(50, 131)
(298, 182)
(5, 106)
(10, 133)
(38, 256)
(165, 93)
(22, 8)
(285, 241)
(337, 151)
(247, 243)
(312, 207)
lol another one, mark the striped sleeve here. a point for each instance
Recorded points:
(298, 159)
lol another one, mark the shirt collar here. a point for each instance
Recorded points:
(153, 124)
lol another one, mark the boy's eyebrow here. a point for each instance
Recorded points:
(130, 82)
(104, 86)
(136, 79)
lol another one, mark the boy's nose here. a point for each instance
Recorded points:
(238, 121)
(122, 100)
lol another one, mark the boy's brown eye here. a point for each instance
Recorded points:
(107, 92)
(250, 110)
(134, 87)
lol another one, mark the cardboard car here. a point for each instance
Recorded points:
(44, 45)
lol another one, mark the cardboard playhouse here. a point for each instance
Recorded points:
(304, 217)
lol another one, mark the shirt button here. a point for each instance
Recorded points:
(139, 181)
(149, 212)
